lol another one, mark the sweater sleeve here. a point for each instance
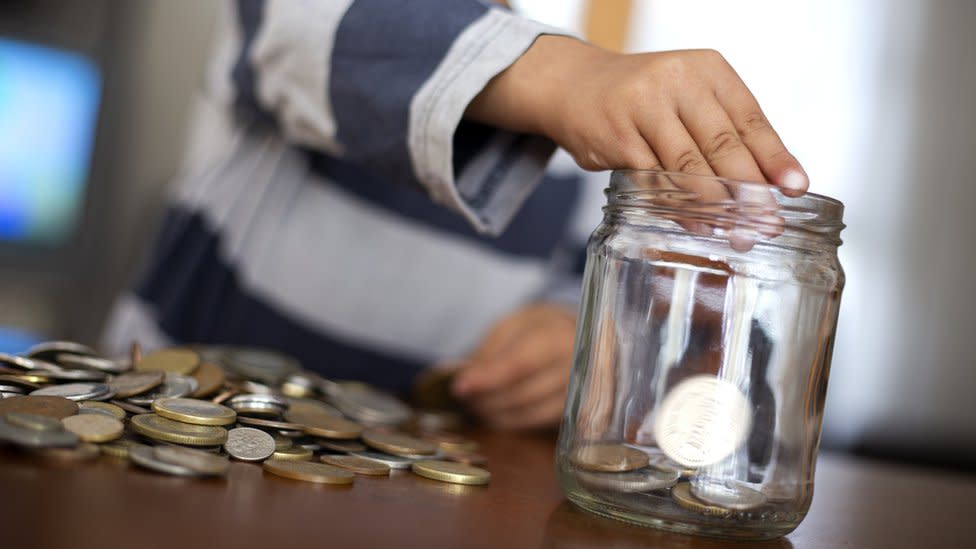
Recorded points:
(385, 83)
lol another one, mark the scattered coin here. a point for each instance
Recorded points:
(51, 406)
(319, 425)
(94, 427)
(728, 494)
(292, 453)
(249, 444)
(95, 407)
(681, 493)
(173, 386)
(130, 407)
(357, 464)
(87, 362)
(367, 405)
(145, 456)
(258, 405)
(134, 383)
(175, 361)
(448, 471)
(85, 451)
(210, 378)
(198, 412)
(468, 458)
(394, 462)
(50, 349)
(307, 406)
(16, 383)
(198, 461)
(76, 391)
(32, 438)
(161, 428)
(608, 458)
(345, 446)
(664, 463)
(268, 423)
(35, 422)
(308, 471)
(640, 480)
(398, 444)
(118, 448)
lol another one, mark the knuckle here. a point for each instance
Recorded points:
(690, 162)
(752, 122)
(721, 145)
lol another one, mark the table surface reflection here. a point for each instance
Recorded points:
(109, 503)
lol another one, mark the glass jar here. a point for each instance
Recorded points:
(702, 353)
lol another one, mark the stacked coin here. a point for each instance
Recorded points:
(189, 411)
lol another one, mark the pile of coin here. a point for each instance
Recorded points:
(616, 469)
(188, 411)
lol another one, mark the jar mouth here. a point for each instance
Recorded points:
(719, 204)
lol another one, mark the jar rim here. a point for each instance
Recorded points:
(690, 199)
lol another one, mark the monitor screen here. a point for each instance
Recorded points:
(48, 113)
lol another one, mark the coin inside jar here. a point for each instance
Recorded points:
(640, 480)
(198, 412)
(728, 494)
(681, 493)
(249, 444)
(608, 458)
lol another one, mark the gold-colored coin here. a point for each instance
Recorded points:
(51, 406)
(448, 471)
(357, 464)
(308, 471)
(175, 361)
(94, 427)
(85, 451)
(210, 378)
(118, 448)
(399, 444)
(608, 458)
(681, 493)
(197, 412)
(34, 422)
(135, 383)
(168, 430)
(95, 406)
(320, 425)
(291, 453)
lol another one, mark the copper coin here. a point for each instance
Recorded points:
(210, 378)
(135, 383)
(609, 458)
(51, 406)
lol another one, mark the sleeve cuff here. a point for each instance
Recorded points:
(493, 184)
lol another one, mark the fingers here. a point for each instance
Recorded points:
(542, 413)
(780, 167)
(717, 137)
(522, 359)
(547, 382)
(678, 152)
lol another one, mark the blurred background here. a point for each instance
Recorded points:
(875, 98)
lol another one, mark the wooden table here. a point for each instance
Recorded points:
(108, 504)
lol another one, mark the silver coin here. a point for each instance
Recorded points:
(395, 462)
(265, 405)
(24, 363)
(12, 389)
(33, 438)
(55, 372)
(641, 480)
(49, 349)
(76, 391)
(145, 456)
(71, 360)
(201, 462)
(249, 444)
(664, 463)
(729, 494)
(35, 422)
(173, 386)
(302, 384)
(368, 405)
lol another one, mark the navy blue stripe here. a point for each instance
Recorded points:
(199, 299)
(384, 51)
(246, 104)
(537, 229)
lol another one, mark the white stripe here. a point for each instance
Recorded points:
(291, 56)
(484, 49)
(353, 270)
(132, 320)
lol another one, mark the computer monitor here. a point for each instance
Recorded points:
(49, 102)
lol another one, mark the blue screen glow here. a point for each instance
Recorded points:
(48, 111)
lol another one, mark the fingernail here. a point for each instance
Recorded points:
(795, 180)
